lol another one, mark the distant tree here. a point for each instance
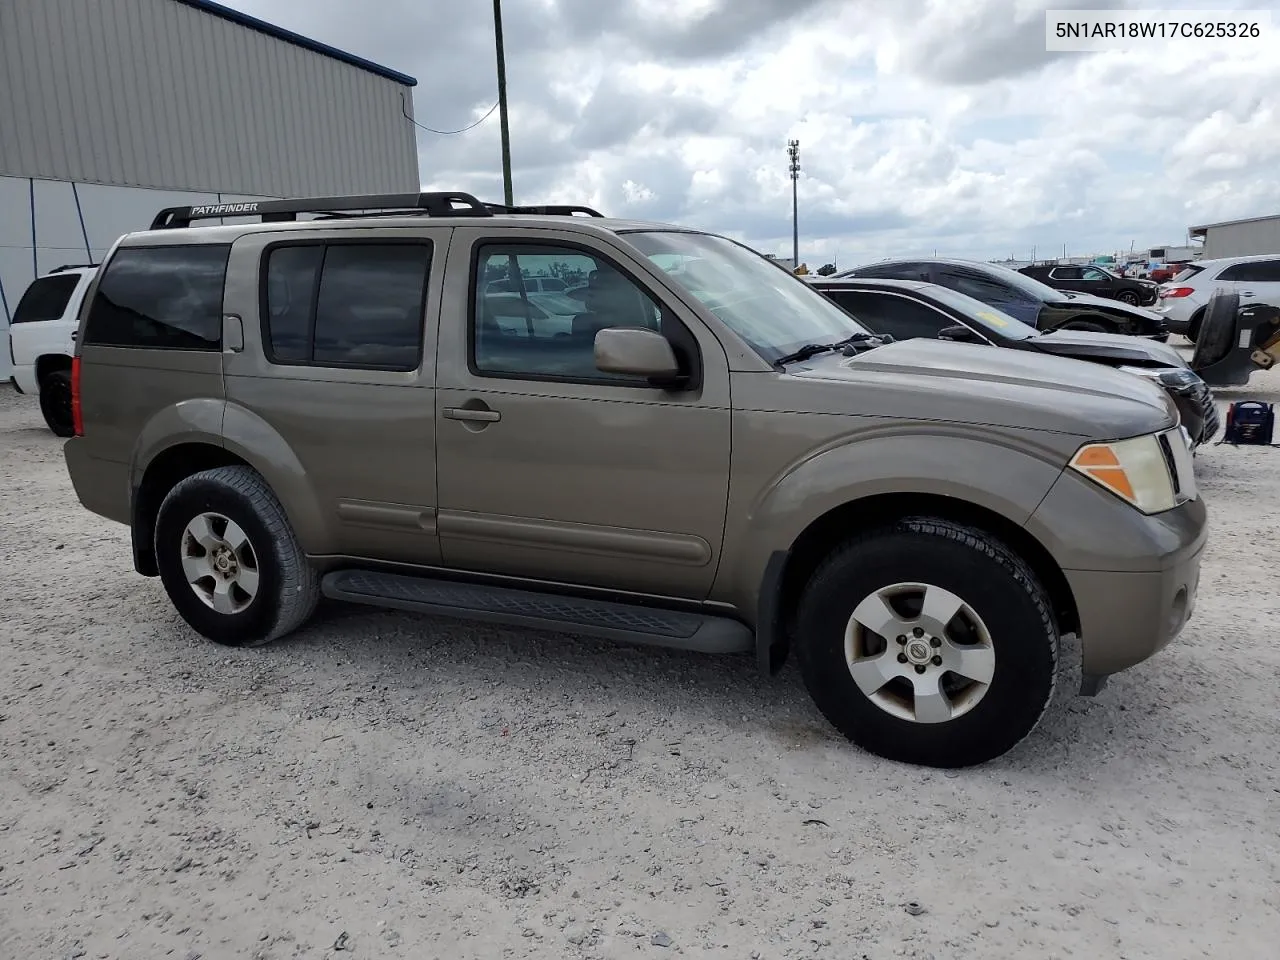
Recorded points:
(826, 270)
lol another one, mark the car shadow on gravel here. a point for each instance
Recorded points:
(417, 654)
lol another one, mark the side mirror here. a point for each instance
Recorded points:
(960, 333)
(637, 352)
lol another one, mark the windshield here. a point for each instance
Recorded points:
(775, 312)
(980, 315)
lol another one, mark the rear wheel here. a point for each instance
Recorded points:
(1193, 328)
(929, 643)
(55, 402)
(229, 559)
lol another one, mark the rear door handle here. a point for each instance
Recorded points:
(471, 413)
(1246, 293)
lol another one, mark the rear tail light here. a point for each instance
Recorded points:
(1174, 292)
(77, 417)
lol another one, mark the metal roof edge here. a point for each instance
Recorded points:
(288, 36)
(1232, 223)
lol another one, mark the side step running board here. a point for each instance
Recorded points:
(629, 623)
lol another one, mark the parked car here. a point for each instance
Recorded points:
(910, 308)
(715, 458)
(1022, 297)
(1095, 280)
(41, 335)
(1183, 299)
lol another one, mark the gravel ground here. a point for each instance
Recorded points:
(382, 785)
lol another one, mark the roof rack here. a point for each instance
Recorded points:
(546, 210)
(74, 266)
(283, 211)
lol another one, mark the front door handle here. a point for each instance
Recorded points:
(481, 414)
(1246, 293)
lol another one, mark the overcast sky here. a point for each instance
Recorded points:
(923, 124)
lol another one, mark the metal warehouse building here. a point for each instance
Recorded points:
(1239, 238)
(112, 109)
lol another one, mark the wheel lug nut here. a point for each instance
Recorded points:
(937, 661)
(902, 658)
(917, 632)
(920, 669)
(902, 639)
(935, 642)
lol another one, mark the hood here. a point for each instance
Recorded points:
(1107, 346)
(924, 379)
(1112, 306)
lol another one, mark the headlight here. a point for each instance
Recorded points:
(1134, 470)
(1166, 376)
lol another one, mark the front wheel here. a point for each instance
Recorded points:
(928, 643)
(230, 561)
(1128, 296)
(55, 402)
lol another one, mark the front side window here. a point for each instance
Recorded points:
(768, 307)
(347, 304)
(46, 298)
(167, 298)
(523, 328)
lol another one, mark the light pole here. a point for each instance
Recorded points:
(793, 153)
(502, 103)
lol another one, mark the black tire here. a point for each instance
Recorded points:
(1088, 326)
(998, 586)
(1193, 328)
(287, 589)
(1216, 335)
(55, 402)
(1128, 296)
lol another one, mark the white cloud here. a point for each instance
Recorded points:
(924, 124)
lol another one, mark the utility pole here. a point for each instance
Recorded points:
(502, 104)
(793, 153)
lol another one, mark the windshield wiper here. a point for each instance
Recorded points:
(813, 349)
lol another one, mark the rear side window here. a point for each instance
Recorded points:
(46, 298)
(346, 304)
(1257, 271)
(165, 298)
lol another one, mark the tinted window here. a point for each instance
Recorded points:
(1260, 271)
(347, 305)
(46, 298)
(976, 286)
(891, 313)
(1066, 273)
(291, 285)
(892, 271)
(545, 336)
(160, 298)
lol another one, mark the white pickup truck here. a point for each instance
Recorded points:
(42, 335)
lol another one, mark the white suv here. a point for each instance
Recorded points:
(42, 341)
(1184, 298)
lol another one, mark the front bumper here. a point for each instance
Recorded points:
(1133, 577)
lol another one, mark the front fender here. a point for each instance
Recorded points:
(958, 462)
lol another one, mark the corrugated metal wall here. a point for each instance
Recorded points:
(1243, 239)
(154, 93)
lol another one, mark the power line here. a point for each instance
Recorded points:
(446, 133)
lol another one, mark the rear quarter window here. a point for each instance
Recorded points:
(46, 298)
(163, 298)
